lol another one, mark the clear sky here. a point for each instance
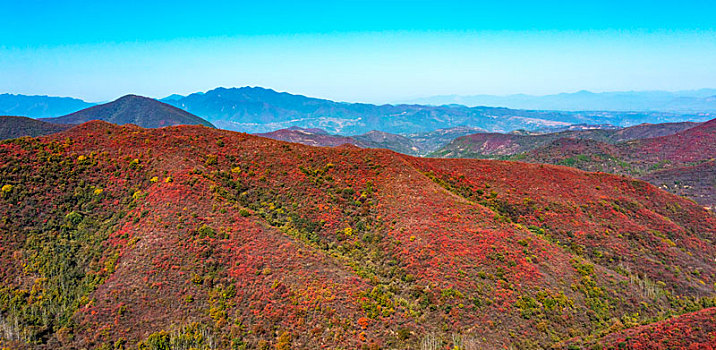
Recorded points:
(371, 51)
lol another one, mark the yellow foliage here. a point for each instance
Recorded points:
(98, 191)
(154, 179)
(7, 188)
(81, 158)
(169, 179)
(284, 341)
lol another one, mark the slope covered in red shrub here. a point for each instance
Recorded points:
(195, 237)
(696, 330)
(684, 159)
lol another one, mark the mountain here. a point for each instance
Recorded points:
(132, 109)
(697, 182)
(259, 110)
(693, 101)
(39, 106)
(681, 163)
(431, 141)
(398, 143)
(191, 237)
(685, 147)
(319, 137)
(413, 144)
(12, 127)
(312, 137)
(640, 156)
(172, 97)
(491, 145)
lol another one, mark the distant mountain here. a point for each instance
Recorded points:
(398, 143)
(40, 106)
(13, 127)
(258, 110)
(312, 137)
(414, 144)
(309, 130)
(572, 127)
(431, 141)
(172, 97)
(132, 109)
(693, 101)
(495, 145)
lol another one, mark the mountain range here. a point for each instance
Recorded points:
(259, 110)
(39, 106)
(693, 101)
(194, 237)
(418, 144)
(495, 145)
(593, 148)
(253, 109)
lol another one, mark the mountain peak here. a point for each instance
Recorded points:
(134, 109)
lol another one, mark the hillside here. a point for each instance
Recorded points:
(495, 145)
(637, 157)
(697, 182)
(258, 110)
(318, 137)
(132, 109)
(692, 145)
(12, 127)
(312, 137)
(195, 237)
(681, 163)
(695, 330)
(40, 106)
(413, 144)
(398, 143)
(431, 141)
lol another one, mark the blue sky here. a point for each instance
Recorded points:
(373, 51)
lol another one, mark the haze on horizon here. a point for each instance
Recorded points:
(363, 51)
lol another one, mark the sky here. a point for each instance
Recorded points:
(359, 51)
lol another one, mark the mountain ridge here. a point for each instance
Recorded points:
(192, 235)
(419, 144)
(256, 110)
(499, 144)
(679, 101)
(133, 109)
(39, 106)
(684, 158)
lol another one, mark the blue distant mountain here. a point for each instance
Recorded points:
(40, 106)
(690, 101)
(259, 110)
